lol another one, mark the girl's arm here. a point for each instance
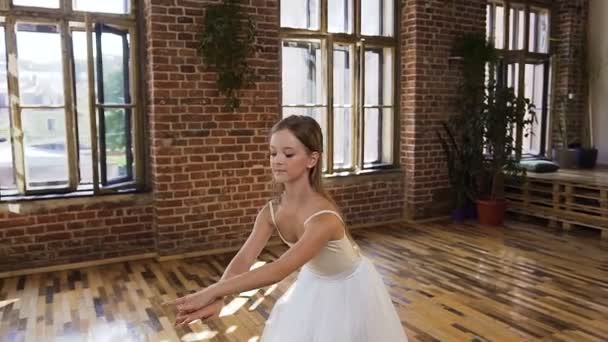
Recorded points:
(251, 249)
(316, 235)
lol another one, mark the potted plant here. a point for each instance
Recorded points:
(567, 154)
(227, 41)
(587, 156)
(460, 170)
(462, 137)
(592, 72)
(504, 113)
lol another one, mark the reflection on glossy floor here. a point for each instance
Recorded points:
(449, 283)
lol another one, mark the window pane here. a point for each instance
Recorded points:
(117, 144)
(378, 136)
(378, 76)
(81, 80)
(488, 21)
(533, 90)
(378, 18)
(372, 136)
(7, 176)
(303, 14)
(343, 138)
(513, 76)
(46, 161)
(539, 30)
(106, 6)
(302, 71)
(115, 73)
(516, 28)
(37, 3)
(340, 16)
(40, 74)
(387, 135)
(499, 27)
(343, 74)
(343, 95)
(532, 33)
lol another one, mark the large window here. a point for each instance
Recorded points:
(338, 66)
(520, 32)
(69, 112)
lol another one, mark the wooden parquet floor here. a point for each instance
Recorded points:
(449, 283)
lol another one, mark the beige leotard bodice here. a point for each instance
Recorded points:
(337, 257)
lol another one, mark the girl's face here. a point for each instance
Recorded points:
(289, 158)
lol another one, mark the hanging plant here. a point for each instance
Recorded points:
(226, 41)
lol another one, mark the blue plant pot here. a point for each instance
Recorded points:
(458, 215)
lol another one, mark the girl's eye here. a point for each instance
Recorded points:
(273, 154)
(289, 155)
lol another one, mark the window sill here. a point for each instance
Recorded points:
(33, 205)
(362, 176)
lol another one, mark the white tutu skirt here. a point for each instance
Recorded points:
(351, 307)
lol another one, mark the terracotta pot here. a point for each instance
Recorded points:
(491, 212)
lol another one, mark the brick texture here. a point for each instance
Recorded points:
(208, 168)
(569, 30)
(428, 83)
(74, 233)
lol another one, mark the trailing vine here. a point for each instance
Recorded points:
(227, 40)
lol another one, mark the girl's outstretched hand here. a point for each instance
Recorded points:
(196, 305)
(209, 311)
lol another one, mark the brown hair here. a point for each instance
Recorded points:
(309, 133)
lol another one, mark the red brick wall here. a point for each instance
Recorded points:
(569, 30)
(208, 168)
(428, 83)
(74, 233)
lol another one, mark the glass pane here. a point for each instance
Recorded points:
(539, 30)
(532, 33)
(116, 136)
(37, 3)
(302, 71)
(303, 14)
(513, 76)
(378, 136)
(488, 21)
(387, 135)
(319, 114)
(534, 90)
(40, 74)
(343, 94)
(378, 76)
(81, 80)
(340, 16)
(343, 138)
(343, 74)
(378, 18)
(7, 176)
(516, 28)
(372, 136)
(46, 161)
(499, 27)
(106, 6)
(114, 73)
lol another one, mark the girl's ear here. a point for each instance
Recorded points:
(313, 160)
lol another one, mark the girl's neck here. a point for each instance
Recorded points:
(298, 192)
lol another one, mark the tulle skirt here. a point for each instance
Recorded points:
(354, 306)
